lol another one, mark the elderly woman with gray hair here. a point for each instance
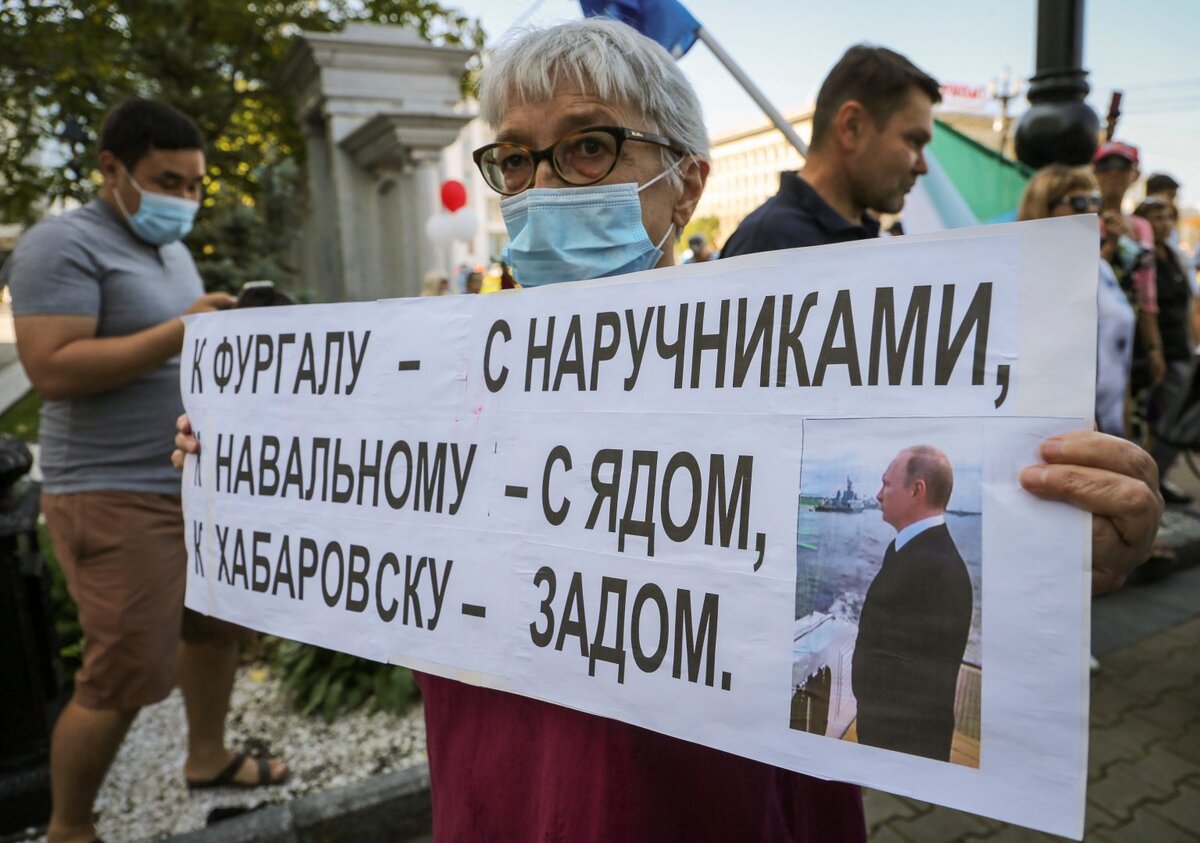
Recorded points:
(595, 107)
(602, 154)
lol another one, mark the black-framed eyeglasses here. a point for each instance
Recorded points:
(1082, 203)
(579, 159)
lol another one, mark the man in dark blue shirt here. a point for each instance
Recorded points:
(873, 119)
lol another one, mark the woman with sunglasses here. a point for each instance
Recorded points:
(1060, 191)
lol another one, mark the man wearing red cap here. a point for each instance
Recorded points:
(1129, 246)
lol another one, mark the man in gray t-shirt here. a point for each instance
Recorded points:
(97, 295)
(87, 266)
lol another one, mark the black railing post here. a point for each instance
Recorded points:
(1058, 126)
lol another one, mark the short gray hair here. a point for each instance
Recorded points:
(603, 58)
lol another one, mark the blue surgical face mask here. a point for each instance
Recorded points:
(160, 219)
(578, 233)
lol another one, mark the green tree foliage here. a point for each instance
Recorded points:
(328, 683)
(67, 631)
(63, 63)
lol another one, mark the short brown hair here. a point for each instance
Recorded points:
(876, 77)
(1152, 203)
(136, 127)
(1048, 187)
(931, 465)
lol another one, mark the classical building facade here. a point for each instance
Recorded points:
(379, 105)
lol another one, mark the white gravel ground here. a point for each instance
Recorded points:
(144, 797)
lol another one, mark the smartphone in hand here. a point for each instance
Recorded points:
(261, 294)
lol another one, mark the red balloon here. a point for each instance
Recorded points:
(454, 195)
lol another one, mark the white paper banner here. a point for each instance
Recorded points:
(653, 498)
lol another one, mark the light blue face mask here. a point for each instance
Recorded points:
(578, 233)
(160, 219)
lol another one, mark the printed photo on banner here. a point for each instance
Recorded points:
(887, 642)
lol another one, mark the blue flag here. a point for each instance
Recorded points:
(666, 21)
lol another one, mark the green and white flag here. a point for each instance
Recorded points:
(967, 184)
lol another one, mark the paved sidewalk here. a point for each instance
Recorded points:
(1144, 760)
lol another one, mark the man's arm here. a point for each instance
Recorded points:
(65, 359)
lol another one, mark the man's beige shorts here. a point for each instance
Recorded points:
(125, 561)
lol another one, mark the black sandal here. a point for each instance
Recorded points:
(225, 778)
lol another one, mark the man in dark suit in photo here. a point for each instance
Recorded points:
(915, 617)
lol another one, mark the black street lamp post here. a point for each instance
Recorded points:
(1058, 126)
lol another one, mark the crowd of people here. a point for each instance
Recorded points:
(97, 294)
(1146, 329)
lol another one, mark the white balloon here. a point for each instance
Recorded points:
(463, 224)
(439, 229)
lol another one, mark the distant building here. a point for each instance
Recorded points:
(745, 170)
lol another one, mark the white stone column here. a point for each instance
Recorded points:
(318, 249)
(396, 234)
(386, 103)
(427, 203)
